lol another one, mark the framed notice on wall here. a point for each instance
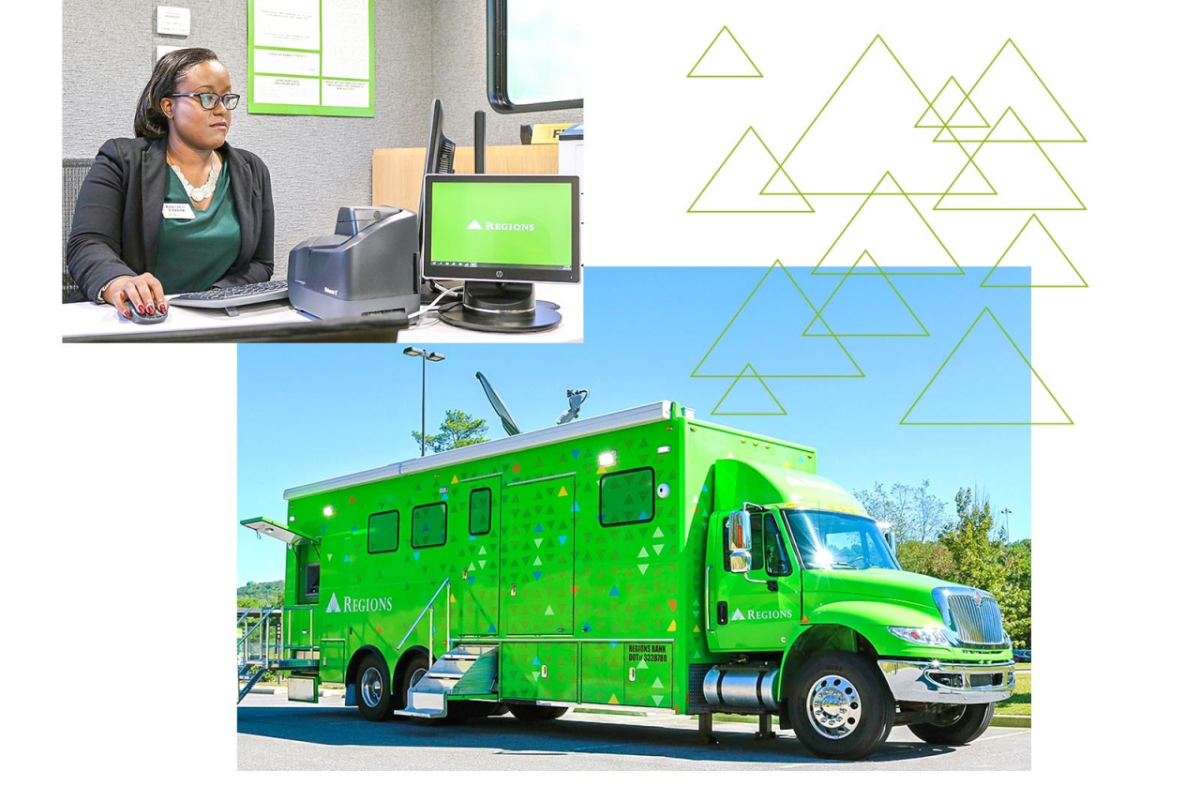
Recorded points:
(312, 57)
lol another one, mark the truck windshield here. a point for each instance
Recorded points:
(839, 541)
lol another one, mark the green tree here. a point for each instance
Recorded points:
(914, 512)
(927, 558)
(989, 563)
(457, 431)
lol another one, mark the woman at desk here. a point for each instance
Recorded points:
(176, 209)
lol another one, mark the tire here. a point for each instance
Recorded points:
(961, 726)
(857, 711)
(412, 673)
(531, 713)
(374, 689)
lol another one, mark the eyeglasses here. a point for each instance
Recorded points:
(208, 100)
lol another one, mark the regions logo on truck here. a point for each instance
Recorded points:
(350, 604)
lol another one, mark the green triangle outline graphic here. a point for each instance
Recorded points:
(821, 269)
(946, 123)
(1034, 218)
(725, 30)
(987, 311)
(1082, 139)
(750, 130)
(878, 274)
(781, 413)
(928, 104)
(1030, 141)
(816, 316)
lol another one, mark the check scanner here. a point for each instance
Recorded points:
(370, 265)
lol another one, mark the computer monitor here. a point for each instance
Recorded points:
(439, 153)
(501, 234)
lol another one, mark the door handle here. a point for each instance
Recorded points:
(722, 613)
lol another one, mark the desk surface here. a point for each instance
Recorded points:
(279, 322)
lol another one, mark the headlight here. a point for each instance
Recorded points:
(930, 635)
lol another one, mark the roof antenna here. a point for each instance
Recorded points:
(575, 397)
(506, 419)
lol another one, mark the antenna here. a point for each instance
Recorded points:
(506, 419)
(575, 397)
(480, 143)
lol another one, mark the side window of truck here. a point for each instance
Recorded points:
(627, 497)
(312, 581)
(776, 557)
(429, 525)
(480, 511)
(756, 541)
(383, 532)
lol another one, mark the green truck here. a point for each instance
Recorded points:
(641, 560)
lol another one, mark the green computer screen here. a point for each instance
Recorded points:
(501, 224)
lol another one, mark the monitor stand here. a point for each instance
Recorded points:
(501, 308)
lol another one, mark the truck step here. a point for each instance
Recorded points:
(465, 671)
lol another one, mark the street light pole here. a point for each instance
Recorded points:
(1007, 528)
(423, 406)
(425, 356)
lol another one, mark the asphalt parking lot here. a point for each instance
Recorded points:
(276, 735)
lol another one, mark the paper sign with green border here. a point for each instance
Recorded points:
(319, 109)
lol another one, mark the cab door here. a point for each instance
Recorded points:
(475, 586)
(759, 613)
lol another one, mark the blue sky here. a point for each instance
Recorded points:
(310, 412)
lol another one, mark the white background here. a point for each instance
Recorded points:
(112, 510)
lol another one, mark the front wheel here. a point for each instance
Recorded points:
(959, 725)
(840, 706)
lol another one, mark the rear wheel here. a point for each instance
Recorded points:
(958, 725)
(530, 712)
(374, 689)
(413, 672)
(840, 706)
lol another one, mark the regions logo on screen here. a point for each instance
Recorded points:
(495, 226)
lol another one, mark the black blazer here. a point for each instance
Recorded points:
(119, 211)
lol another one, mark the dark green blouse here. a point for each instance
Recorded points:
(195, 254)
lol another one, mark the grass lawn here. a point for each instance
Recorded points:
(1021, 702)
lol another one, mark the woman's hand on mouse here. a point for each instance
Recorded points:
(144, 291)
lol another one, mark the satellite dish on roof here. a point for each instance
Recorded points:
(506, 419)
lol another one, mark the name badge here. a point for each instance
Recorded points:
(178, 211)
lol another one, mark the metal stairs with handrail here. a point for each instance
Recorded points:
(271, 650)
(466, 672)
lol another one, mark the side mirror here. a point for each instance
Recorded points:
(885, 528)
(739, 542)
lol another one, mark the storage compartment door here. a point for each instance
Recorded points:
(558, 672)
(648, 674)
(603, 665)
(519, 669)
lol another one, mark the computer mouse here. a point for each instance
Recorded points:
(150, 316)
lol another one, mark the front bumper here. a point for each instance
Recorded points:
(936, 682)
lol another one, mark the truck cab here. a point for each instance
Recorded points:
(822, 626)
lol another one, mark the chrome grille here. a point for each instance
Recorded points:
(976, 624)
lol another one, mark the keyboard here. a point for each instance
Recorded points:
(229, 298)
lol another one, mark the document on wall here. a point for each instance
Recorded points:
(312, 57)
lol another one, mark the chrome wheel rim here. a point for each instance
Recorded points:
(417, 675)
(372, 686)
(834, 707)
